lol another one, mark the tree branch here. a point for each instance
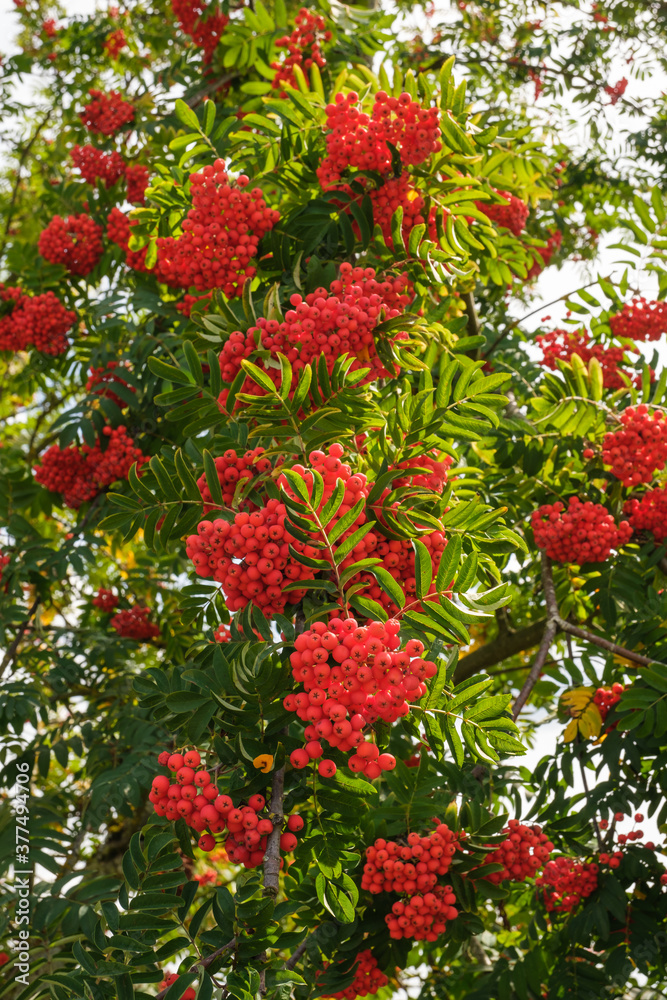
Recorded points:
(203, 963)
(550, 631)
(506, 644)
(296, 955)
(272, 855)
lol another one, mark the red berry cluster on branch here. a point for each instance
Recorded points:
(105, 600)
(368, 978)
(565, 882)
(639, 448)
(303, 48)
(616, 90)
(204, 27)
(511, 216)
(74, 242)
(115, 43)
(250, 557)
(649, 513)
(640, 320)
(194, 797)
(423, 917)
(221, 234)
(80, 473)
(560, 345)
(362, 141)
(252, 565)
(234, 471)
(101, 381)
(4, 561)
(337, 321)
(585, 532)
(411, 867)
(119, 230)
(50, 27)
(395, 193)
(554, 243)
(189, 993)
(106, 114)
(606, 698)
(137, 177)
(133, 623)
(354, 676)
(522, 854)
(93, 163)
(40, 321)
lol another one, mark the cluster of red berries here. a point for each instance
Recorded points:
(606, 698)
(639, 448)
(511, 216)
(234, 471)
(133, 623)
(250, 557)
(395, 193)
(4, 561)
(411, 867)
(303, 48)
(423, 917)
(204, 31)
(106, 113)
(189, 993)
(74, 242)
(137, 177)
(525, 851)
(616, 90)
(114, 43)
(649, 513)
(40, 321)
(564, 883)
(363, 141)
(101, 381)
(585, 532)
(81, 472)
(554, 243)
(93, 163)
(221, 233)
(368, 978)
(194, 797)
(432, 474)
(119, 230)
(368, 679)
(105, 600)
(560, 345)
(50, 27)
(335, 321)
(640, 320)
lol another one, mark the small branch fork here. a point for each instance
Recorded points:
(203, 963)
(554, 624)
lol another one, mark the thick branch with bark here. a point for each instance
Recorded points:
(506, 644)
(272, 855)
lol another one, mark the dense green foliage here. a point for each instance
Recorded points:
(455, 432)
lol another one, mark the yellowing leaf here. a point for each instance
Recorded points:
(585, 718)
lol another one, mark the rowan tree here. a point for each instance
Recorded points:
(308, 532)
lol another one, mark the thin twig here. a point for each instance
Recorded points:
(545, 305)
(201, 964)
(17, 183)
(550, 630)
(296, 955)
